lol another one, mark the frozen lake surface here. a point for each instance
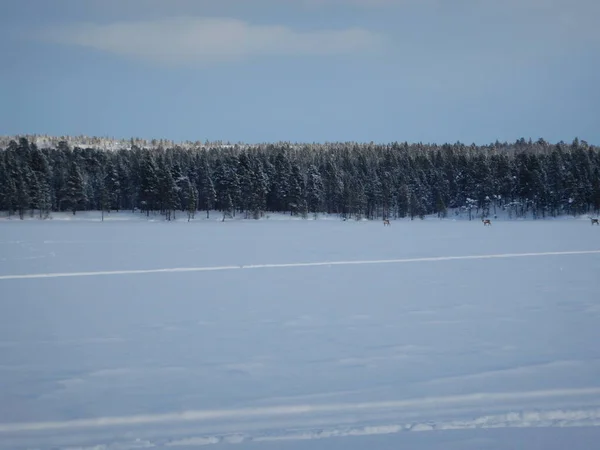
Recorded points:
(475, 352)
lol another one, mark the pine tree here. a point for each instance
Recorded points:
(416, 205)
(22, 193)
(192, 200)
(595, 198)
(149, 184)
(112, 185)
(314, 190)
(280, 187)
(105, 195)
(42, 172)
(75, 194)
(226, 205)
(12, 194)
(4, 191)
(126, 186)
(258, 198)
(167, 190)
(502, 181)
(34, 187)
(181, 187)
(404, 199)
(246, 181)
(483, 187)
(333, 186)
(440, 205)
(208, 194)
(9, 178)
(296, 190)
(44, 200)
(227, 186)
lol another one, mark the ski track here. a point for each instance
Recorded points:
(525, 419)
(292, 265)
(293, 410)
(554, 418)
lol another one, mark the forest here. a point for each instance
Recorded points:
(353, 180)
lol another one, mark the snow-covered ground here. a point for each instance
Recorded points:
(299, 334)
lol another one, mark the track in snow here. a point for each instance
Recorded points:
(287, 265)
(293, 410)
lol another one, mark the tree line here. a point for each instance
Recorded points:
(352, 180)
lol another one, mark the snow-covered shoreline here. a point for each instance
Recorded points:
(217, 216)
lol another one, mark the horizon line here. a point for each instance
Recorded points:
(56, 137)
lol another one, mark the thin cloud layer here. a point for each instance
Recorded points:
(363, 3)
(187, 39)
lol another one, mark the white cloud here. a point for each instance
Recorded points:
(364, 3)
(187, 39)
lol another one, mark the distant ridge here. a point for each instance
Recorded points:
(111, 143)
(108, 143)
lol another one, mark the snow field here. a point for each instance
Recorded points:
(309, 345)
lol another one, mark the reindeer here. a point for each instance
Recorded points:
(486, 222)
(594, 221)
(386, 222)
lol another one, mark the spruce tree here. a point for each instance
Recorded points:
(314, 190)
(75, 192)
(149, 184)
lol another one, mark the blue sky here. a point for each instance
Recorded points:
(302, 70)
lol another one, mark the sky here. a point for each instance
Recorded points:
(254, 71)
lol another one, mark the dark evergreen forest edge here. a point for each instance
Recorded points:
(525, 179)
